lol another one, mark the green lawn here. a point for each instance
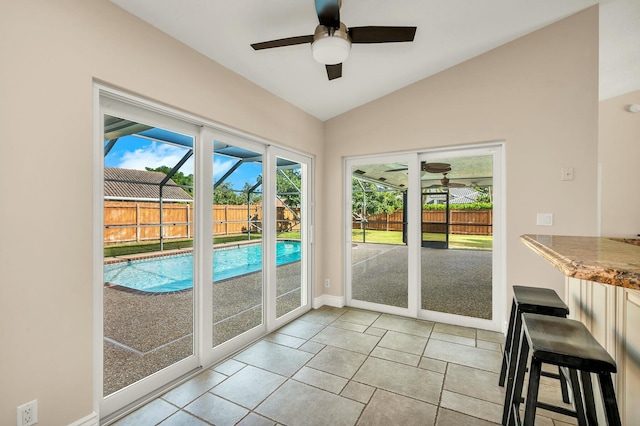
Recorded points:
(475, 242)
(146, 247)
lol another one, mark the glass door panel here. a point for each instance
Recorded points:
(435, 223)
(379, 251)
(148, 272)
(291, 249)
(457, 236)
(237, 241)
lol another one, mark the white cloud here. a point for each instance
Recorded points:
(158, 154)
(155, 155)
(221, 165)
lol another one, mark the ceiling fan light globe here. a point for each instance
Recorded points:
(331, 50)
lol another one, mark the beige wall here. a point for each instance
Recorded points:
(51, 52)
(539, 94)
(619, 159)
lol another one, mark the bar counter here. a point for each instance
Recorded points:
(602, 290)
(598, 259)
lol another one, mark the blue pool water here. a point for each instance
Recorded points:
(173, 273)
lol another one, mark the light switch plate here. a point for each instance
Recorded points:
(544, 219)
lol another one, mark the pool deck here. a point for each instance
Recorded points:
(144, 256)
(453, 281)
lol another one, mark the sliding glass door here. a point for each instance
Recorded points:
(202, 245)
(457, 221)
(290, 222)
(378, 232)
(451, 269)
(238, 278)
(148, 287)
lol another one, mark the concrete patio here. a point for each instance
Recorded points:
(453, 281)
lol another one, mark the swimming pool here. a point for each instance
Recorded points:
(174, 273)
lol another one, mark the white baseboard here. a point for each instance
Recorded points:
(90, 420)
(327, 299)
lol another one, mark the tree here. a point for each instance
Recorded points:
(254, 197)
(289, 186)
(224, 194)
(484, 194)
(186, 182)
(377, 198)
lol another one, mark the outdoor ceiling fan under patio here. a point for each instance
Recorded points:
(428, 168)
(445, 183)
(332, 39)
(443, 168)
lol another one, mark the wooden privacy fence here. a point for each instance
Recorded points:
(467, 222)
(228, 220)
(126, 221)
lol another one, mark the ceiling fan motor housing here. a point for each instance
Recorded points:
(331, 45)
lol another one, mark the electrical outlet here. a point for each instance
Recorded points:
(327, 283)
(28, 413)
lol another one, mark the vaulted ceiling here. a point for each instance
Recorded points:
(448, 33)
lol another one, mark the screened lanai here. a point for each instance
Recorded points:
(454, 181)
(130, 185)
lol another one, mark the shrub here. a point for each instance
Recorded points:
(470, 206)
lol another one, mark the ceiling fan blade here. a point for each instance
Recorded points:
(381, 34)
(334, 71)
(328, 12)
(289, 41)
(436, 167)
(398, 169)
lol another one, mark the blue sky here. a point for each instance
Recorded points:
(132, 152)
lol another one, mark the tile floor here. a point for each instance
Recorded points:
(341, 366)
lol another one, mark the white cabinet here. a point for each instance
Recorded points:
(629, 355)
(612, 314)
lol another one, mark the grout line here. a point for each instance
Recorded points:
(368, 356)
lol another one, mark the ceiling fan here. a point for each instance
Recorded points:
(332, 40)
(443, 168)
(444, 183)
(428, 168)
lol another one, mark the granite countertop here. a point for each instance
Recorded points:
(599, 259)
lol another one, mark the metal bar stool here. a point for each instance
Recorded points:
(565, 343)
(535, 300)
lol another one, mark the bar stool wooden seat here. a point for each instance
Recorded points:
(535, 300)
(565, 343)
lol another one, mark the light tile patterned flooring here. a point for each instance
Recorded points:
(341, 366)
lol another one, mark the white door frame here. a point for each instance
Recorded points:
(413, 160)
(111, 105)
(498, 256)
(209, 353)
(119, 103)
(306, 237)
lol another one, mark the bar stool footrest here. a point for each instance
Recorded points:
(556, 409)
